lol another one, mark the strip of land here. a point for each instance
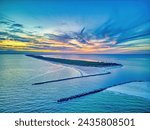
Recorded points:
(76, 62)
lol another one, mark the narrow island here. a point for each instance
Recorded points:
(75, 62)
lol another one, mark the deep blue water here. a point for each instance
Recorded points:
(19, 72)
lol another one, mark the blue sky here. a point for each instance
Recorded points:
(75, 26)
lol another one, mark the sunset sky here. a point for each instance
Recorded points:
(75, 26)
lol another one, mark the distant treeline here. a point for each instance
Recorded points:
(76, 62)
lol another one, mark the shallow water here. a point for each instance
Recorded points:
(19, 72)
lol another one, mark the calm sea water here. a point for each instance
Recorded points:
(19, 72)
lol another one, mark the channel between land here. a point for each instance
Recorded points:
(74, 62)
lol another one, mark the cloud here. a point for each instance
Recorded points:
(14, 37)
(18, 30)
(106, 37)
(59, 37)
(4, 22)
(38, 27)
(16, 25)
(4, 34)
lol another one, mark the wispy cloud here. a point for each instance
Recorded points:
(101, 39)
(16, 26)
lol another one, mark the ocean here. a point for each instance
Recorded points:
(18, 73)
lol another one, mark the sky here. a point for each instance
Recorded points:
(75, 26)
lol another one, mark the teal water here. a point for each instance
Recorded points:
(19, 72)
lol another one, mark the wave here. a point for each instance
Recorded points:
(140, 89)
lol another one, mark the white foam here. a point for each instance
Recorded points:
(141, 89)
